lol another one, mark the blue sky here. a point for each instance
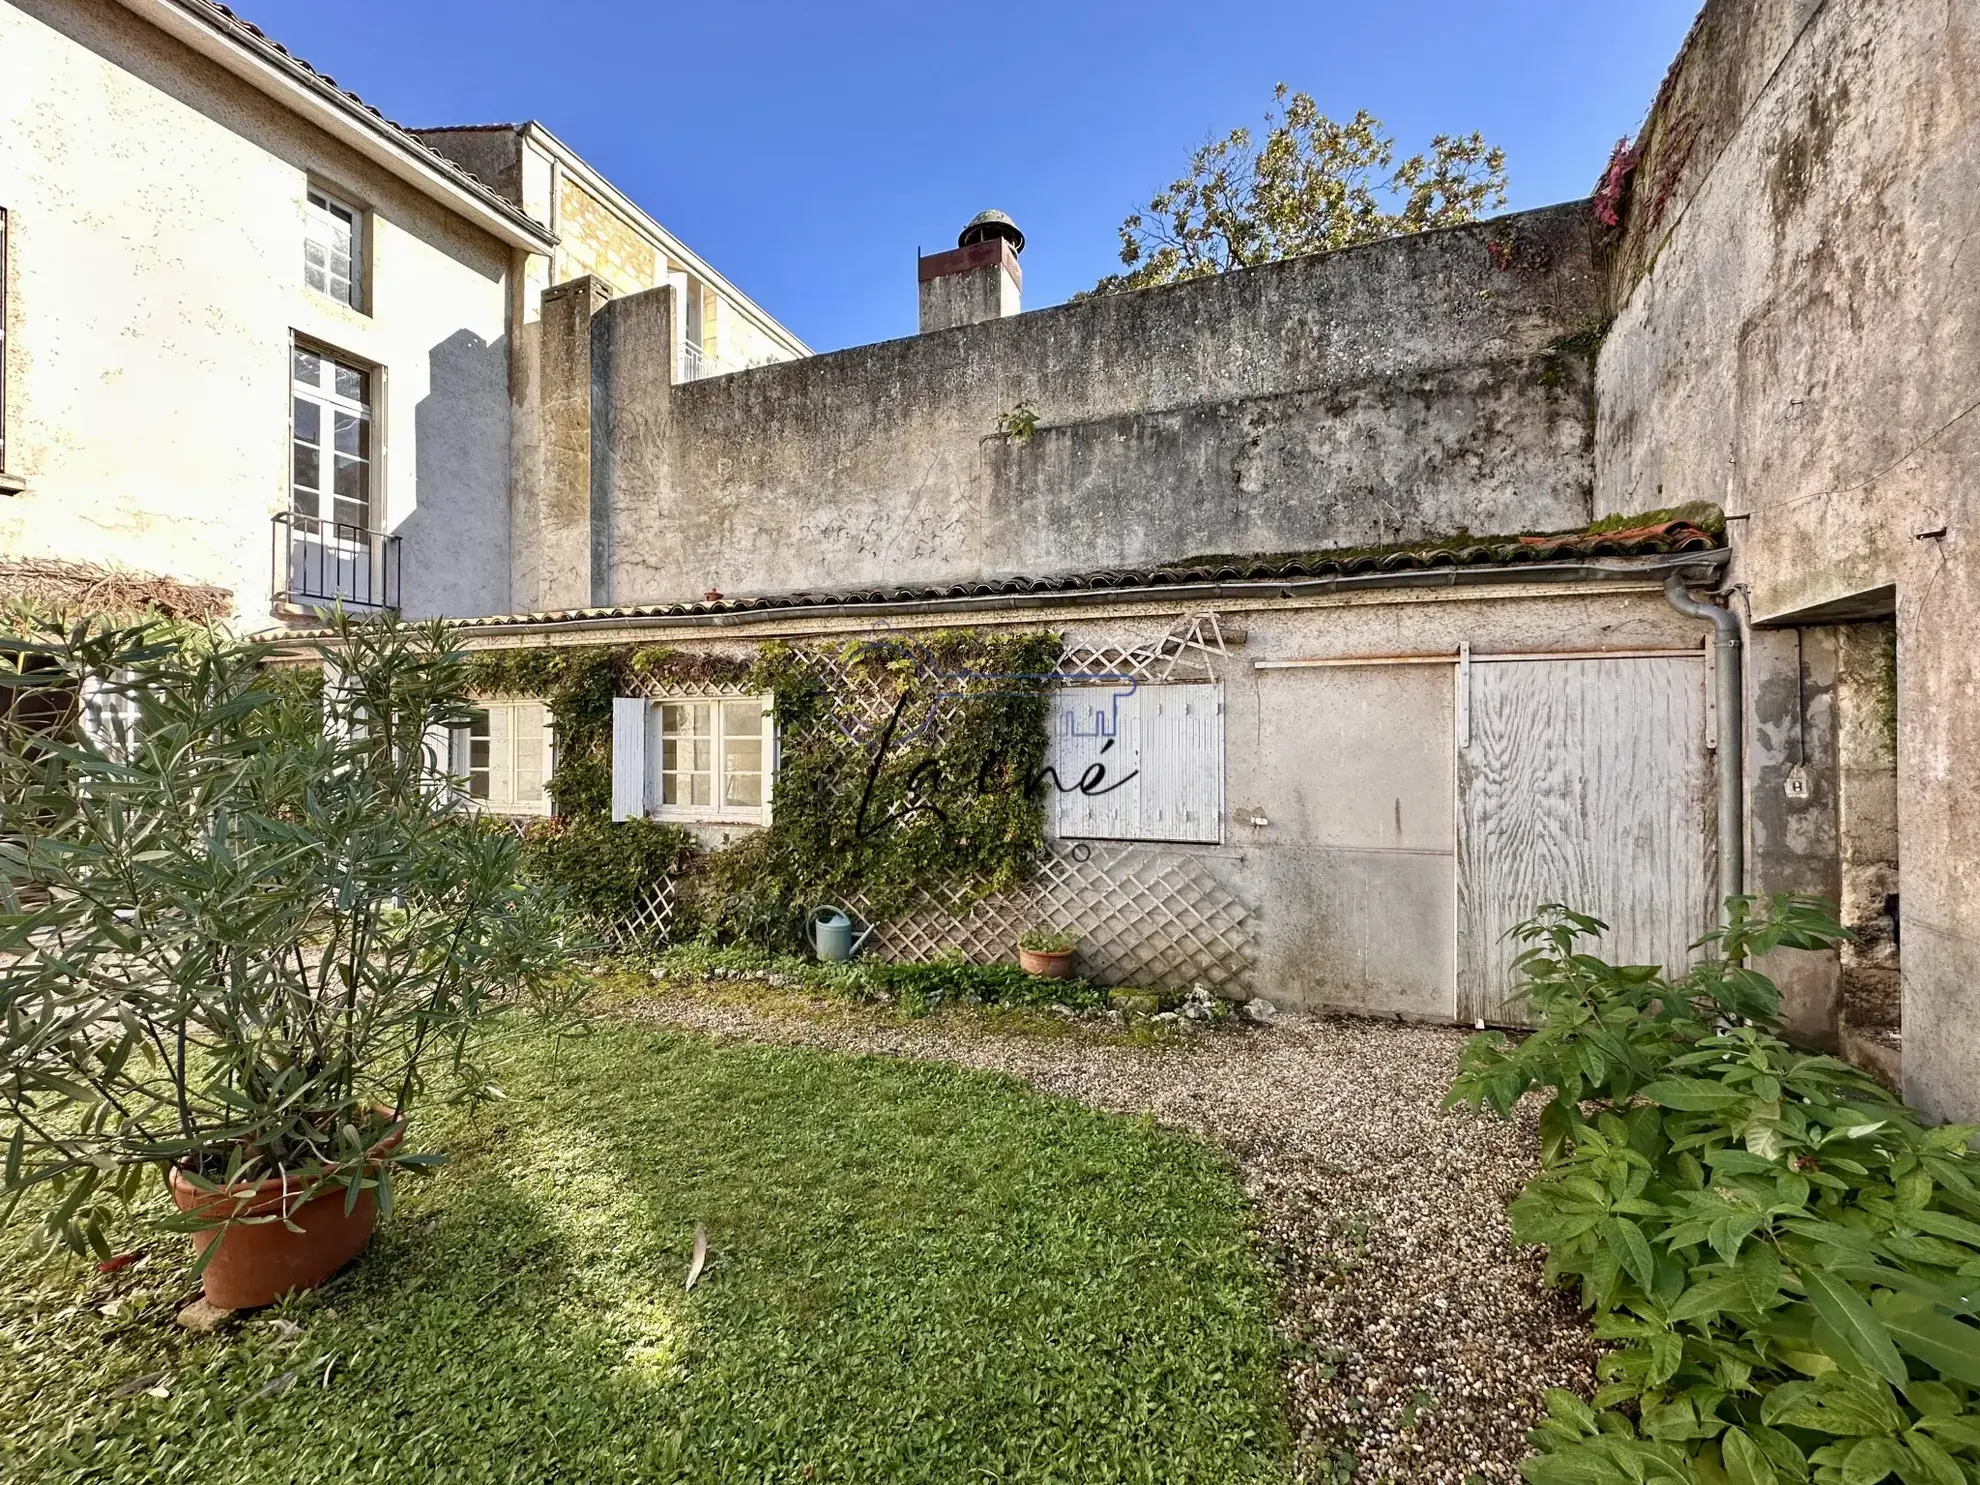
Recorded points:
(807, 149)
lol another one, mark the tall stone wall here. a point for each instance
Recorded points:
(1798, 338)
(1405, 389)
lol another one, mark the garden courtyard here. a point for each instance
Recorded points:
(976, 1245)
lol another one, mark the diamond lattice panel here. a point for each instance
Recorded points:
(650, 924)
(1142, 918)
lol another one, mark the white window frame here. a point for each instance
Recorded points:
(521, 715)
(715, 812)
(321, 210)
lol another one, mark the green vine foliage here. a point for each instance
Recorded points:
(933, 780)
(1784, 1261)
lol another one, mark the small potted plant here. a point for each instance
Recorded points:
(262, 931)
(1047, 952)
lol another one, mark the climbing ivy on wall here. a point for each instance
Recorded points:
(905, 763)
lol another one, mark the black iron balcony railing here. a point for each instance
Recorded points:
(318, 563)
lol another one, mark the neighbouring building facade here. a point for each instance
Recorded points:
(258, 338)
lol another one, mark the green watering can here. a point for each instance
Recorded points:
(831, 934)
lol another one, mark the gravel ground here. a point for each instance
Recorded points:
(1422, 1339)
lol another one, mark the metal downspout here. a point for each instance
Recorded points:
(1732, 730)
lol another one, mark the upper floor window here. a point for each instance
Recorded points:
(333, 249)
(504, 757)
(330, 434)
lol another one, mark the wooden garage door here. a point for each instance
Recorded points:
(1584, 782)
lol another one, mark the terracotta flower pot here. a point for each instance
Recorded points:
(1053, 965)
(259, 1262)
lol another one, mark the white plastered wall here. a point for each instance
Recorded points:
(155, 282)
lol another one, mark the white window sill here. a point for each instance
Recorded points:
(12, 484)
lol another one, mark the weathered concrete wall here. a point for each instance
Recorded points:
(1800, 341)
(156, 222)
(1408, 388)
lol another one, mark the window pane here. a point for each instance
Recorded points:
(308, 472)
(699, 790)
(350, 479)
(308, 421)
(743, 718)
(346, 425)
(742, 788)
(353, 384)
(308, 367)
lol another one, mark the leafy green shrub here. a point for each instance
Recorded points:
(1043, 940)
(237, 936)
(603, 869)
(1786, 1261)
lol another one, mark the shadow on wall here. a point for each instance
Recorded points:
(454, 554)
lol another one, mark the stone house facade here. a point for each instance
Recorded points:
(258, 338)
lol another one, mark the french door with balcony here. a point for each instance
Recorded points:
(334, 553)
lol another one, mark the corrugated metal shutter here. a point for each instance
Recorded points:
(1145, 763)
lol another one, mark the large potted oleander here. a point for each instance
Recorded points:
(244, 930)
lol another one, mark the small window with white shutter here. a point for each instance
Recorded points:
(1137, 762)
(694, 758)
(503, 758)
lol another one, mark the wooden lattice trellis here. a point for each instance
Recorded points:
(651, 923)
(1144, 915)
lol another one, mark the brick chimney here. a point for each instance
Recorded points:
(978, 280)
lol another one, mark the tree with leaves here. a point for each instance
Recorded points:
(1306, 185)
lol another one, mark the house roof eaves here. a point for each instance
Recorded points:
(216, 33)
(995, 595)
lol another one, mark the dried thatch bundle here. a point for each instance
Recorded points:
(71, 589)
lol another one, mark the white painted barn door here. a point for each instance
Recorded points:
(1583, 782)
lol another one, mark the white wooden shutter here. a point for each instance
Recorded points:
(1094, 727)
(529, 754)
(338, 721)
(628, 757)
(1181, 757)
(501, 770)
(109, 715)
(436, 747)
(1153, 758)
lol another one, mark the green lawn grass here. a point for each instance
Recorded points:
(916, 1273)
